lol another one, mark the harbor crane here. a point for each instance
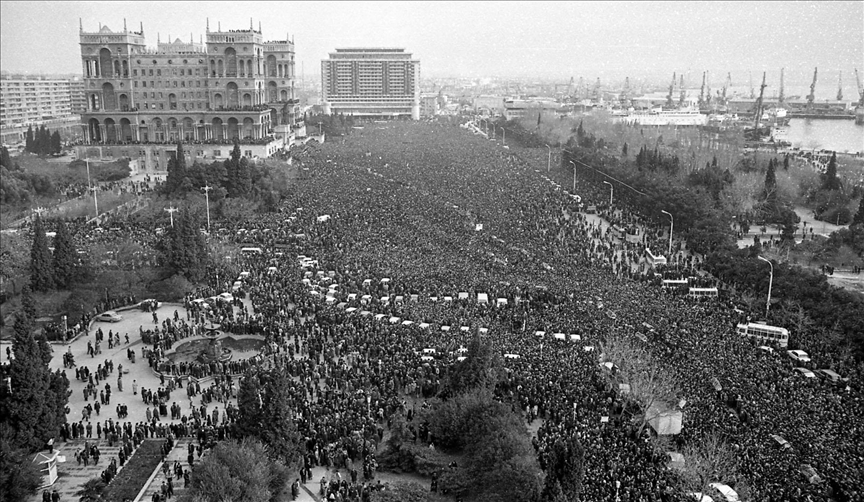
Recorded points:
(860, 88)
(669, 102)
(859, 110)
(840, 88)
(682, 97)
(782, 98)
(758, 132)
(812, 96)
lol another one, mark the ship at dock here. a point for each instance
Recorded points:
(659, 117)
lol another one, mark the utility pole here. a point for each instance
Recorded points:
(207, 189)
(95, 201)
(611, 191)
(770, 284)
(171, 211)
(549, 160)
(671, 226)
(574, 176)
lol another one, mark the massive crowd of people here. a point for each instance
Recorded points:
(384, 315)
(425, 235)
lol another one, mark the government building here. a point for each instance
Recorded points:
(371, 83)
(141, 101)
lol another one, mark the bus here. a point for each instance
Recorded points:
(655, 260)
(703, 293)
(765, 333)
(251, 250)
(675, 284)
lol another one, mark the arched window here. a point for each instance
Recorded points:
(230, 62)
(105, 63)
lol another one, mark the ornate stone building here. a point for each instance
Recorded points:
(141, 101)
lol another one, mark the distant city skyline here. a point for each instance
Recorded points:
(610, 40)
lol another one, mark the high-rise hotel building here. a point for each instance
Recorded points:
(140, 102)
(371, 83)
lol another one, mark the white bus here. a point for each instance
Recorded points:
(251, 250)
(655, 260)
(675, 284)
(703, 293)
(765, 333)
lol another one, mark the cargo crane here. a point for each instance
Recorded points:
(840, 88)
(726, 87)
(669, 103)
(707, 88)
(758, 132)
(859, 110)
(812, 96)
(625, 94)
(682, 97)
(702, 93)
(782, 98)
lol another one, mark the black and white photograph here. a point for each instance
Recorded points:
(456, 251)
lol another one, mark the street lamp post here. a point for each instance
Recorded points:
(671, 226)
(504, 135)
(95, 201)
(171, 212)
(770, 283)
(611, 191)
(574, 176)
(549, 160)
(207, 189)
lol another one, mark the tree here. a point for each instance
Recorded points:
(56, 143)
(19, 477)
(28, 145)
(624, 150)
(34, 410)
(564, 469)
(830, 180)
(176, 171)
(41, 269)
(651, 387)
(183, 249)
(239, 472)
(264, 402)
(859, 216)
(481, 368)
(65, 256)
(27, 303)
(707, 461)
(244, 177)
(5, 159)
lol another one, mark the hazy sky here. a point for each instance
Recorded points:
(607, 39)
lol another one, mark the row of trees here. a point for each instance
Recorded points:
(49, 270)
(236, 177)
(34, 407)
(42, 141)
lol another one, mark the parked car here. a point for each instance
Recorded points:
(226, 297)
(109, 316)
(799, 355)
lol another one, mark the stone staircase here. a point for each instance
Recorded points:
(179, 453)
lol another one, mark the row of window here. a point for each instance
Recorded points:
(153, 83)
(183, 72)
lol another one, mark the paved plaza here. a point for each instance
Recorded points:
(70, 474)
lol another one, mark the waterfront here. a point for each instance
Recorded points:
(836, 135)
